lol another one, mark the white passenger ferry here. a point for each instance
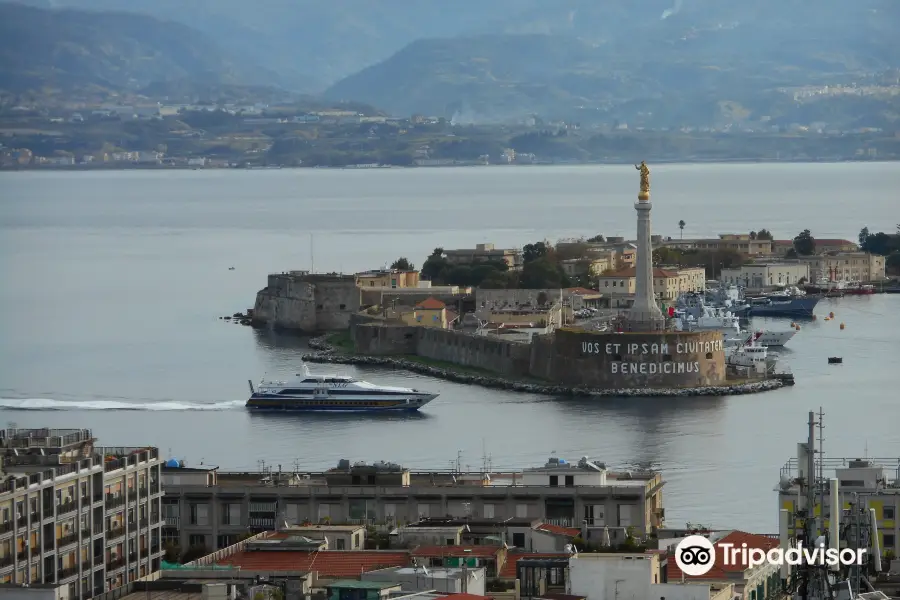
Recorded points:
(333, 393)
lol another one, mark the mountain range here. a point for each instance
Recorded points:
(651, 61)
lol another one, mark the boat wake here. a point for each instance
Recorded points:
(48, 404)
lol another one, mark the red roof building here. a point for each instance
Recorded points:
(509, 570)
(431, 304)
(327, 563)
(731, 572)
(569, 532)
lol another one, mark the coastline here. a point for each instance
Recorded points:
(617, 162)
(326, 353)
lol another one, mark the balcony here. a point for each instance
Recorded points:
(120, 458)
(65, 573)
(116, 563)
(154, 488)
(98, 498)
(35, 519)
(144, 491)
(115, 532)
(173, 521)
(66, 507)
(144, 523)
(22, 521)
(98, 528)
(22, 555)
(132, 495)
(36, 551)
(114, 501)
(98, 560)
(154, 548)
(86, 533)
(65, 540)
(132, 557)
(86, 564)
(6, 561)
(6, 527)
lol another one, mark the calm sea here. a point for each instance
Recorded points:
(111, 284)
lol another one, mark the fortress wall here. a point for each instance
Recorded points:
(380, 339)
(307, 303)
(623, 360)
(499, 356)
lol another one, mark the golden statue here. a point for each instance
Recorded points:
(645, 181)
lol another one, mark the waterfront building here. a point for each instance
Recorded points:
(768, 274)
(823, 246)
(845, 266)
(590, 267)
(574, 298)
(875, 481)
(211, 509)
(388, 278)
(737, 242)
(668, 283)
(485, 253)
(81, 518)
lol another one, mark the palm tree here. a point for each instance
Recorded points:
(681, 225)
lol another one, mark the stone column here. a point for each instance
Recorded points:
(644, 314)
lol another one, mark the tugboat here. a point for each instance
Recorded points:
(333, 393)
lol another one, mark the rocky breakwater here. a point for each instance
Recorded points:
(325, 353)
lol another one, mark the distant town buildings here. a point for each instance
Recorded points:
(668, 283)
(845, 266)
(737, 242)
(760, 275)
(485, 253)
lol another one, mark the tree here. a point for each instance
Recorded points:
(752, 235)
(403, 264)
(542, 273)
(599, 239)
(764, 234)
(863, 237)
(804, 243)
(434, 265)
(532, 252)
(681, 225)
(542, 298)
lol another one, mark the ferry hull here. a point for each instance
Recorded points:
(279, 403)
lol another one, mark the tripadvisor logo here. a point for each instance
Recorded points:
(695, 555)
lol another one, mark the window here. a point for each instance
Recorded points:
(521, 511)
(518, 540)
(196, 540)
(488, 511)
(888, 513)
(390, 511)
(554, 481)
(889, 542)
(199, 514)
(594, 515)
(625, 515)
(570, 481)
(231, 514)
(451, 542)
(340, 544)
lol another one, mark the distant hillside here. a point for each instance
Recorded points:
(70, 49)
(313, 43)
(617, 59)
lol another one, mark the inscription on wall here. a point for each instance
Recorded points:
(669, 353)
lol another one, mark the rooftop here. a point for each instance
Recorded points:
(630, 271)
(328, 563)
(456, 551)
(431, 304)
(355, 584)
(569, 532)
(508, 571)
(722, 571)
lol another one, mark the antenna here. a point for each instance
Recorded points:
(312, 255)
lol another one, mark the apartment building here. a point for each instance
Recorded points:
(388, 278)
(485, 253)
(668, 283)
(206, 508)
(875, 482)
(738, 242)
(76, 516)
(823, 246)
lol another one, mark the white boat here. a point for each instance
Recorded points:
(695, 314)
(333, 393)
(751, 355)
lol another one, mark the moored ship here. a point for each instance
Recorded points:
(333, 393)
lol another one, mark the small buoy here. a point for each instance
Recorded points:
(831, 315)
(797, 328)
(815, 317)
(793, 324)
(842, 325)
(827, 318)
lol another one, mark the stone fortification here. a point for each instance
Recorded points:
(622, 360)
(307, 302)
(566, 357)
